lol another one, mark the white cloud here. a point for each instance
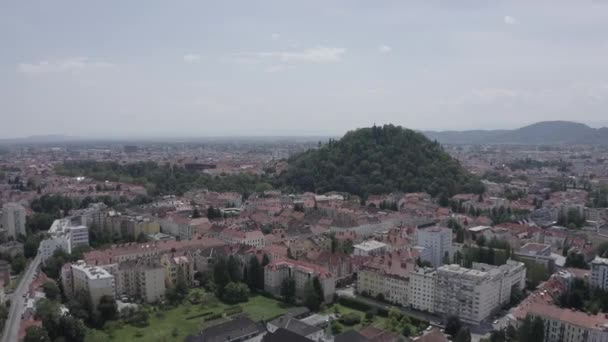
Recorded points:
(66, 65)
(509, 20)
(318, 54)
(191, 58)
(385, 49)
(275, 36)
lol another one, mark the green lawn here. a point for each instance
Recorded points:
(163, 324)
(378, 321)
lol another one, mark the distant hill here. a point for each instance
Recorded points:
(379, 160)
(546, 132)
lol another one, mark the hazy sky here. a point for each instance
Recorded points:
(141, 68)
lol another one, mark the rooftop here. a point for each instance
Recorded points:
(370, 245)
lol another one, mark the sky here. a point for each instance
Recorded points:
(286, 67)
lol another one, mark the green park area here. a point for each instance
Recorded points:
(174, 324)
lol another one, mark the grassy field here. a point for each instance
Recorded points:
(172, 325)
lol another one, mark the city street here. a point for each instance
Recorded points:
(11, 327)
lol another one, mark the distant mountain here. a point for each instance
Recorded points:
(379, 160)
(540, 133)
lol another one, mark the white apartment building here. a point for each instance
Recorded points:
(369, 248)
(438, 241)
(422, 289)
(475, 294)
(63, 235)
(13, 220)
(95, 281)
(599, 273)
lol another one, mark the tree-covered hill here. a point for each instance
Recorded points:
(379, 160)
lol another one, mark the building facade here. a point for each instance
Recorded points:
(438, 241)
(13, 220)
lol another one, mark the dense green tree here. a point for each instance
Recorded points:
(311, 297)
(379, 160)
(235, 293)
(463, 335)
(18, 264)
(161, 179)
(72, 329)
(233, 269)
(36, 334)
(107, 308)
(288, 290)
(452, 325)
(51, 290)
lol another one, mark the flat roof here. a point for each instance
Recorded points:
(370, 245)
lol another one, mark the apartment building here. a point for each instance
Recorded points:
(422, 289)
(92, 280)
(599, 273)
(563, 325)
(302, 272)
(438, 241)
(12, 220)
(65, 236)
(176, 266)
(254, 238)
(141, 279)
(388, 276)
(475, 294)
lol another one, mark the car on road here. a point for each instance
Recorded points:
(495, 322)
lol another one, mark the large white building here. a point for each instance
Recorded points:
(422, 289)
(476, 293)
(13, 220)
(599, 273)
(92, 280)
(63, 235)
(438, 241)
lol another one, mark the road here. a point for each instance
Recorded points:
(11, 327)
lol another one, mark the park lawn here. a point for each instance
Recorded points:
(164, 322)
(378, 321)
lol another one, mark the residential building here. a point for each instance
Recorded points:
(253, 238)
(177, 266)
(422, 289)
(302, 272)
(13, 220)
(438, 240)
(538, 253)
(599, 273)
(475, 294)
(388, 276)
(141, 279)
(92, 280)
(369, 248)
(65, 236)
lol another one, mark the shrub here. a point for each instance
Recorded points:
(233, 310)
(350, 319)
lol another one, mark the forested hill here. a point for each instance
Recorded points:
(379, 160)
